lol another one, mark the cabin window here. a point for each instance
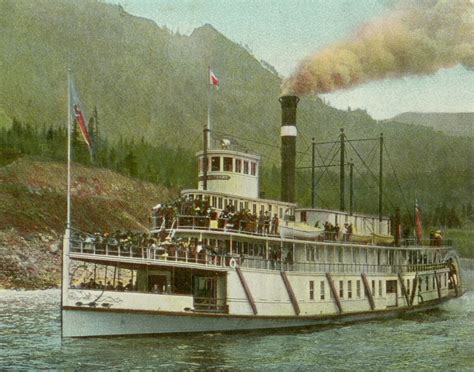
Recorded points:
(253, 168)
(445, 279)
(246, 167)
(433, 286)
(358, 289)
(316, 251)
(219, 205)
(349, 289)
(311, 290)
(341, 288)
(246, 204)
(236, 202)
(200, 165)
(215, 163)
(228, 164)
(366, 256)
(408, 286)
(262, 208)
(391, 286)
(373, 288)
(270, 207)
(303, 216)
(241, 206)
(355, 254)
(238, 166)
(214, 201)
(380, 288)
(427, 285)
(254, 208)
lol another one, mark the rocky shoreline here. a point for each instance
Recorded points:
(31, 261)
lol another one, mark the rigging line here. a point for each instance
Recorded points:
(247, 139)
(327, 169)
(307, 184)
(372, 153)
(387, 196)
(398, 182)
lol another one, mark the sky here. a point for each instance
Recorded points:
(283, 32)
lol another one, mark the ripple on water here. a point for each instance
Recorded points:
(444, 339)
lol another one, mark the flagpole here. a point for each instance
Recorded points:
(69, 149)
(209, 107)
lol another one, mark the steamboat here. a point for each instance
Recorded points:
(209, 267)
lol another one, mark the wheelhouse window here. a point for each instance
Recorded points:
(253, 168)
(246, 167)
(215, 163)
(228, 164)
(238, 166)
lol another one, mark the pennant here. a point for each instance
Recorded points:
(213, 80)
(77, 113)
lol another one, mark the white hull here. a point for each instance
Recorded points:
(99, 322)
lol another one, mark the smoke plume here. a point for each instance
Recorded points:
(417, 37)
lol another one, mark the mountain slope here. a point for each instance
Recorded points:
(149, 83)
(456, 124)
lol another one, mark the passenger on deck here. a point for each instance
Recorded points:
(275, 222)
(109, 286)
(261, 222)
(267, 222)
(129, 286)
(120, 287)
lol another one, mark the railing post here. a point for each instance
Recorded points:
(106, 249)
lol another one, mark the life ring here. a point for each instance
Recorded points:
(233, 263)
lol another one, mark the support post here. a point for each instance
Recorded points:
(368, 292)
(334, 292)
(290, 292)
(246, 290)
(351, 187)
(205, 159)
(313, 181)
(404, 291)
(380, 176)
(342, 206)
(437, 285)
(413, 291)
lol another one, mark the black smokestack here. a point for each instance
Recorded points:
(288, 147)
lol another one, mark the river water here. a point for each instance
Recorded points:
(441, 339)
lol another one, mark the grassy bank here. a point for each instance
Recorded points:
(463, 240)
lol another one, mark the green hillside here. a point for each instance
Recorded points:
(150, 85)
(453, 123)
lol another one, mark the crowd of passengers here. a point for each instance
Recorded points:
(334, 232)
(92, 284)
(162, 245)
(198, 212)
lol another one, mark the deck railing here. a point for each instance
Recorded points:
(213, 260)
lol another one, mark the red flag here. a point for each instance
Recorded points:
(213, 80)
(78, 114)
(417, 221)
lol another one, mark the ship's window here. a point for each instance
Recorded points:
(214, 201)
(253, 168)
(358, 288)
(200, 162)
(236, 202)
(241, 206)
(433, 282)
(246, 167)
(254, 208)
(219, 205)
(246, 248)
(198, 196)
(246, 205)
(373, 288)
(408, 286)
(427, 285)
(228, 164)
(349, 289)
(391, 286)
(311, 290)
(366, 256)
(322, 290)
(262, 207)
(215, 163)
(310, 253)
(316, 255)
(380, 288)
(238, 166)
(303, 216)
(445, 279)
(341, 289)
